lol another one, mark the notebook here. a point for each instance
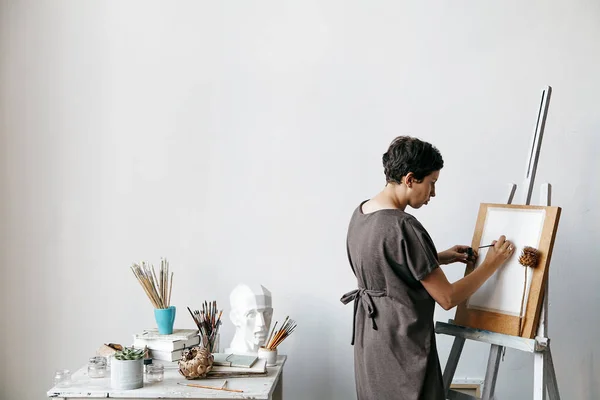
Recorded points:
(234, 360)
(258, 368)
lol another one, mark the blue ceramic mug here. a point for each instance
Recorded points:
(165, 318)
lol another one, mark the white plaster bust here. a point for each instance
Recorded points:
(251, 313)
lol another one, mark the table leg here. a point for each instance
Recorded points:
(278, 391)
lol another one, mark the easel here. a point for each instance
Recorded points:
(544, 376)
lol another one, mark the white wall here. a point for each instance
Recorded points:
(236, 138)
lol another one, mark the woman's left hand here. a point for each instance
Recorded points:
(456, 253)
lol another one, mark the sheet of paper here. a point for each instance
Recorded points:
(503, 291)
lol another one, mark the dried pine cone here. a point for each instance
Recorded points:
(195, 363)
(529, 257)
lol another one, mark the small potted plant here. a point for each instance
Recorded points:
(127, 369)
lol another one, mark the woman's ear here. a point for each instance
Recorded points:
(409, 179)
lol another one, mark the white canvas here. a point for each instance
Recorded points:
(503, 291)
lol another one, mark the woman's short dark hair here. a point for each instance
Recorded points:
(408, 154)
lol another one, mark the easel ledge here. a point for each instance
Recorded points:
(539, 344)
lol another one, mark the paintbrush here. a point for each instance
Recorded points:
(157, 290)
(471, 254)
(272, 331)
(276, 337)
(208, 321)
(211, 387)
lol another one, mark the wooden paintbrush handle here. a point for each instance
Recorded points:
(213, 388)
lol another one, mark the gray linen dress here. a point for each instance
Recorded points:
(395, 354)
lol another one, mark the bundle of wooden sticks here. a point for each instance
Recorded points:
(276, 337)
(158, 290)
(208, 322)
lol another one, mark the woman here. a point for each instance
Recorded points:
(399, 282)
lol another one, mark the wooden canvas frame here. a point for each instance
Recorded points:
(502, 322)
(473, 389)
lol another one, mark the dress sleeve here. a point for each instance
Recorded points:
(418, 248)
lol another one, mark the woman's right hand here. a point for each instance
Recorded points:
(501, 251)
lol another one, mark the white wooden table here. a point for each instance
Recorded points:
(269, 387)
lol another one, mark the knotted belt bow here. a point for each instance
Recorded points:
(365, 298)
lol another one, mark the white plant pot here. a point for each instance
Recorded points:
(126, 374)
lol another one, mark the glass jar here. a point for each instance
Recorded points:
(216, 343)
(155, 373)
(108, 358)
(213, 344)
(97, 367)
(62, 378)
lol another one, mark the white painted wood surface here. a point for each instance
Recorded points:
(267, 387)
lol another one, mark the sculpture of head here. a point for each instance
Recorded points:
(251, 313)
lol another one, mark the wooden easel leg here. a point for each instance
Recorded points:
(491, 373)
(452, 362)
(540, 360)
(551, 382)
(539, 381)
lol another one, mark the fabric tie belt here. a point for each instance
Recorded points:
(363, 297)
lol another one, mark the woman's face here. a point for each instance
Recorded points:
(421, 191)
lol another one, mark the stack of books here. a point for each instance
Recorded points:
(166, 347)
